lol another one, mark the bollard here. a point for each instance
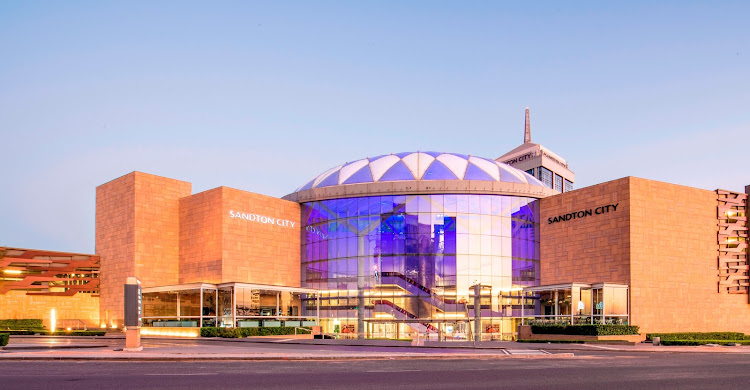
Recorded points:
(657, 340)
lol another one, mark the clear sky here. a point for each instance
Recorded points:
(263, 96)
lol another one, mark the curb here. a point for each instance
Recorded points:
(280, 358)
(46, 347)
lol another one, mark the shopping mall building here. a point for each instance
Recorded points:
(394, 245)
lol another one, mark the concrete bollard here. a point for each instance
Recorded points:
(657, 340)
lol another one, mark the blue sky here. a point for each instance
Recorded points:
(263, 96)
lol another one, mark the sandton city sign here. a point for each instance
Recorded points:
(583, 213)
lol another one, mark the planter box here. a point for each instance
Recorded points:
(524, 333)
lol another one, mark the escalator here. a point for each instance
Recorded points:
(399, 313)
(417, 290)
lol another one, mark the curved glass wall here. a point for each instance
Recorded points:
(392, 266)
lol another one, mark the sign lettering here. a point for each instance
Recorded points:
(261, 219)
(583, 213)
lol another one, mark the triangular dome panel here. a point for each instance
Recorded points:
(438, 171)
(381, 165)
(473, 172)
(363, 175)
(454, 163)
(349, 169)
(331, 180)
(398, 171)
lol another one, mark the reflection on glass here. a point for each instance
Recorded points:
(416, 257)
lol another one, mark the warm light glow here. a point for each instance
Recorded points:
(171, 332)
(380, 315)
(103, 326)
(52, 320)
(13, 271)
(452, 315)
(114, 326)
(68, 329)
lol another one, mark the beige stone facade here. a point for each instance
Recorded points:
(151, 227)
(254, 246)
(661, 240)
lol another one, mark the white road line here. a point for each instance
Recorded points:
(197, 374)
(598, 346)
(282, 340)
(392, 370)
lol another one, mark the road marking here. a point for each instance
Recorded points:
(197, 374)
(393, 370)
(282, 340)
(599, 346)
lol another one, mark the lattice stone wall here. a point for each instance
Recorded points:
(734, 265)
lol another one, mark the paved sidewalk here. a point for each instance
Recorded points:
(163, 349)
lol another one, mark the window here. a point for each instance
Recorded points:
(558, 183)
(568, 185)
(545, 176)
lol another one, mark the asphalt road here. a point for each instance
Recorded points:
(604, 370)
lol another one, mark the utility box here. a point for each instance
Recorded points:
(133, 314)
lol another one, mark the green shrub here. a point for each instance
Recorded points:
(4, 337)
(586, 330)
(74, 333)
(20, 332)
(249, 332)
(698, 336)
(21, 324)
(551, 341)
(704, 342)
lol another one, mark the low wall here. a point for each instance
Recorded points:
(170, 332)
(18, 305)
(524, 333)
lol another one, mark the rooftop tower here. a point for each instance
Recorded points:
(540, 162)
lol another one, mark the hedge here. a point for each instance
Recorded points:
(249, 332)
(20, 332)
(704, 342)
(586, 330)
(4, 337)
(74, 333)
(21, 324)
(551, 341)
(698, 336)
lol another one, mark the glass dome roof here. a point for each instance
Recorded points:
(419, 166)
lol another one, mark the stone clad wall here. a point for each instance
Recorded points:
(674, 262)
(591, 249)
(201, 237)
(137, 234)
(257, 252)
(662, 241)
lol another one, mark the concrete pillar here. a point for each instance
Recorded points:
(361, 286)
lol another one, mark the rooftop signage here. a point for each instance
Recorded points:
(261, 219)
(583, 213)
(520, 158)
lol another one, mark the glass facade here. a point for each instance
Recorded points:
(568, 185)
(558, 183)
(391, 266)
(239, 305)
(545, 176)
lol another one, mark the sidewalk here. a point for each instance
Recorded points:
(260, 349)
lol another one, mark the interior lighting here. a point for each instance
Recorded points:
(13, 271)
(453, 315)
(171, 332)
(52, 320)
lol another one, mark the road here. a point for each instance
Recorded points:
(595, 370)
